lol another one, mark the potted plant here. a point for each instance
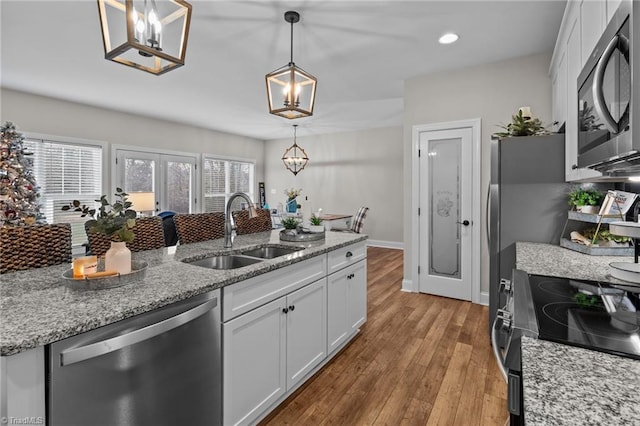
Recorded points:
(115, 221)
(586, 200)
(316, 224)
(522, 126)
(290, 224)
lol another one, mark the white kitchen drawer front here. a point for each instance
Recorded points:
(345, 256)
(249, 294)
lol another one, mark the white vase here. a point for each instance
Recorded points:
(316, 228)
(118, 258)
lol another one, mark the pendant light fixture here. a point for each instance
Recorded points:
(150, 35)
(294, 157)
(290, 89)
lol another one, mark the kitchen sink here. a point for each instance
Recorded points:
(225, 261)
(269, 252)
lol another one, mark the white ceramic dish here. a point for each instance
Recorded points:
(626, 271)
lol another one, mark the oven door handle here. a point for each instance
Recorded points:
(494, 345)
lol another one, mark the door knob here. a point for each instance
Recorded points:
(464, 222)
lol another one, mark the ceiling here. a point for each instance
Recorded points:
(360, 51)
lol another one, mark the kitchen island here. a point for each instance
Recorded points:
(38, 309)
(567, 385)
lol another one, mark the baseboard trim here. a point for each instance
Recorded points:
(386, 244)
(407, 286)
(484, 298)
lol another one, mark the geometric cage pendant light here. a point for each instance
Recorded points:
(294, 157)
(150, 35)
(291, 91)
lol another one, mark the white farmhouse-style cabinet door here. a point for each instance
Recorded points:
(254, 356)
(306, 330)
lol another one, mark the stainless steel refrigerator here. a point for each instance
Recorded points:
(526, 201)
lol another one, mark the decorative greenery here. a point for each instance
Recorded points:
(292, 193)
(111, 219)
(315, 220)
(604, 235)
(587, 120)
(586, 300)
(290, 222)
(522, 126)
(585, 197)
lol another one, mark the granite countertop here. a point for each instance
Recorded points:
(566, 385)
(36, 307)
(556, 261)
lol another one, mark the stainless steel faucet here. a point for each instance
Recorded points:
(228, 229)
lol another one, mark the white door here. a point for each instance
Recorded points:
(170, 178)
(445, 212)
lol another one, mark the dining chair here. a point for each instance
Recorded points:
(356, 223)
(148, 231)
(245, 225)
(196, 227)
(34, 246)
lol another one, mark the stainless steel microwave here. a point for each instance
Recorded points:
(607, 102)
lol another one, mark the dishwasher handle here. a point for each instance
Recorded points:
(83, 353)
(494, 344)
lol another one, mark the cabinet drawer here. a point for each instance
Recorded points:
(246, 295)
(345, 256)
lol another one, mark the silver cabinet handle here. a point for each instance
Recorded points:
(597, 91)
(103, 347)
(496, 349)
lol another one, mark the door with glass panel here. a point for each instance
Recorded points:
(157, 182)
(445, 170)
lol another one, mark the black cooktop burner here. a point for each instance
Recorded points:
(589, 314)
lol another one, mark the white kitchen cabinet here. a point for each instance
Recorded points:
(559, 92)
(612, 6)
(270, 349)
(254, 358)
(347, 301)
(306, 330)
(22, 387)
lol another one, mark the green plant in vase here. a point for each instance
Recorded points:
(110, 219)
(522, 126)
(290, 223)
(586, 197)
(315, 220)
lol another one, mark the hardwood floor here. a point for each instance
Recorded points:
(419, 359)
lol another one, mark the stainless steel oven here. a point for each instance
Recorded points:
(590, 314)
(607, 112)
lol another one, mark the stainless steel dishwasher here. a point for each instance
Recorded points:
(158, 368)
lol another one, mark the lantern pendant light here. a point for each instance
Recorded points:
(150, 35)
(294, 157)
(291, 91)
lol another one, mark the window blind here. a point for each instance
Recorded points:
(221, 178)
(66, 172)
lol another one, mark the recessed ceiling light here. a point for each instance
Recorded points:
(448, 38)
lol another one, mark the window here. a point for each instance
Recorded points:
(221, 178)
(65, 172)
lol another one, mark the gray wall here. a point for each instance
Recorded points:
(346, 171)
(492, 92)
(54, 117)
